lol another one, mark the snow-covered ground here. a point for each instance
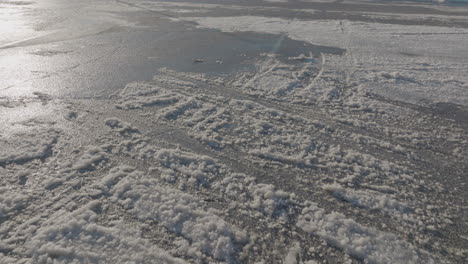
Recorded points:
(357, 156)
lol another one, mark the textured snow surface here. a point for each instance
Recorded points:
(180, 213)
(369, 199)
(357, 156)
(26, 146)
(10, 201)
(365, 243)
(371, 58)
(216, 177)
(77, 237)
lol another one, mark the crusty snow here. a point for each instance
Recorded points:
(312, 158)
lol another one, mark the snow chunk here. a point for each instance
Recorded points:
(139, 89)
(120, 126)
(90, 158)
(147, 94)
(10, 201)
(396, 76)
(27, 146)
(269, 200)
(181, 108)
(7, 102)
(293, 253)
(206, 171)
(181, 213)
(369, 200)
(367, 244)
(77, 237)
(196, 168)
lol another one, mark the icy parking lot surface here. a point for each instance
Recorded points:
(321, 136)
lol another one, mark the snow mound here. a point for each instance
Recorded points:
(196, 169)
(120, 126)
(78, 237)
(151, 94)
(200, 170)
(364, 243)
(203, 233)
(23, 147)
(369, 200)
(10, 201)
